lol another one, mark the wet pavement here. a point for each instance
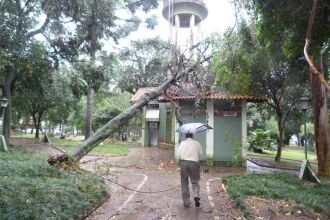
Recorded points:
(255, 168)
(146, 185)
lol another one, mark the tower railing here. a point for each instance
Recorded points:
(167, 2)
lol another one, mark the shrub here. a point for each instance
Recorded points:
(260, 139)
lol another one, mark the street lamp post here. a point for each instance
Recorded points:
(306, 171)
(304, 101)
(3, 105)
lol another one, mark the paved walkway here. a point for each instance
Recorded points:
(253, 167)
(150, 171)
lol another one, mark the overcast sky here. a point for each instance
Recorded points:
(221, 16)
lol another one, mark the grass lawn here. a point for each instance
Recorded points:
(68, 145)
(31, 189)
(283, 164)
(22, 135)
(290, 154)
(112, 149)
(291, 158)
(277, 186)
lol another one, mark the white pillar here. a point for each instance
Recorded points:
(177, 30)
(210, 133)
(244, 133)
(170, 41)
(170, 21)
(199, 33)
(144, 129)
(192, 27)
(175, 135)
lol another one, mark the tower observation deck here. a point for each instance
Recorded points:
(184, 9)
(184, 14)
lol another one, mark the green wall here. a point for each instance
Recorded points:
(162, 122)
(165, 120)
(200, 137)
(227, 129)
(187, 117)
(169, 127)
(227, 132)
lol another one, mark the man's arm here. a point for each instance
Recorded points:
(179, 151)
(200, 150)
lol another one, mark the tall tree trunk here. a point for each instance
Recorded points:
(36, 135)
(34, 118)
(7, 87)
(321, 125)
(280, 123)
(320, 87)
(89, 113)
(119, 120)
(37, 125)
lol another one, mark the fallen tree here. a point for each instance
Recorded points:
(180, 68)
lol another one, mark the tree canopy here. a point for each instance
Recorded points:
(142, 64)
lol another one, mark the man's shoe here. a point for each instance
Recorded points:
(197, 203)
(186, 205)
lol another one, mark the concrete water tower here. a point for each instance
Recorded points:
(184, 14)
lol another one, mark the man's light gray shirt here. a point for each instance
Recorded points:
(190, 149)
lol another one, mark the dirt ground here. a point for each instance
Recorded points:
(145, 184)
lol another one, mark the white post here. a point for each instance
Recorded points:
(192, 26)
(210, 134)
(244, 133)
(177, 30)
(175, 134)
(199, 32)
(170, 41)
(170, 33)
(144, 127)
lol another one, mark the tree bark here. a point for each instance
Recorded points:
(38, 123)
(321, 125)
(280, 123)
(89, 113)
(320, 87)
(7, 87)
(119, 120)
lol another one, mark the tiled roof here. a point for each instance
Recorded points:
(215, 96)
(184, 95)
(141, 92)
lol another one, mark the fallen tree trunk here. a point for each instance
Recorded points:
(119, 120)
(104, 132)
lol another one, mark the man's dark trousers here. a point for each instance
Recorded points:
(189, 170)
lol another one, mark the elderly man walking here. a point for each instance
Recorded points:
(189, 153)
